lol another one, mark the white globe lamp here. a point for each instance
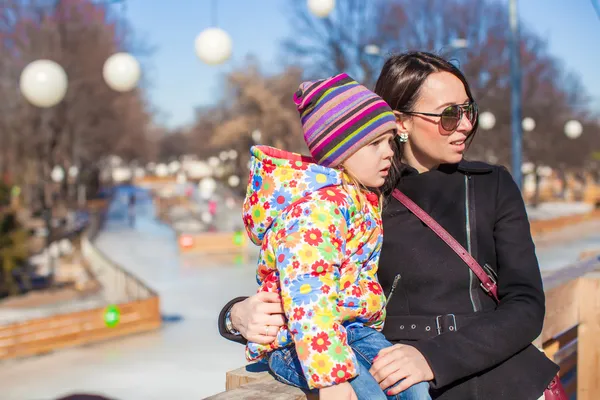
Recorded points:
(43, 83)
(213, 46)
(487, 120)
(214, 162)
(161, 170)
(234, 181)
(321, 8)
(528, 124)
(573, 129)
(207, 187)
(527, 168)
(372, 50)
(57, 174)
(73, 171)
(121, 72)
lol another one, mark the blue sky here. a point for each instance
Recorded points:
(179, 82)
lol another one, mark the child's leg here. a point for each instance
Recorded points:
(364, 385)
(286, 368)
(366, 343)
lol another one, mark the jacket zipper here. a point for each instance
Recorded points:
(394, 284)
(468, 229)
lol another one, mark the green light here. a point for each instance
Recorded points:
(238, 238)
(112, 315)
(239, 260)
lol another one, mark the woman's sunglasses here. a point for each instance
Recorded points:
(451, 116)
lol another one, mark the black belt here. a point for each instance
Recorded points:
(417, 327)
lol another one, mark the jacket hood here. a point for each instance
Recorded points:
(277, 179)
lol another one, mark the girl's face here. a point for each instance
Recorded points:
(370, 164)
(429, 144)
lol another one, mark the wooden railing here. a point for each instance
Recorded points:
(570, 337)
(138, 307)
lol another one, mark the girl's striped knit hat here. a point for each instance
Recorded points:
(339, 116)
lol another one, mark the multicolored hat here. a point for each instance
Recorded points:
(339, 116)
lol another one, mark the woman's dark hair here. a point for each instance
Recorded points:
(400, 83)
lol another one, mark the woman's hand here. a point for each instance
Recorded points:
(259, 317)
(343, 391)
(400, 362)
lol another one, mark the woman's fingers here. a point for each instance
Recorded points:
(261, 339)
(268, 297)
(385, 357)
(275, 320)
(271, 308)
(394, 377)
(385, 371)
(402, 386)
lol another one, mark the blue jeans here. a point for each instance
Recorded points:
(366, 343)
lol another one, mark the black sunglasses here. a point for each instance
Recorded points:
(451, 116)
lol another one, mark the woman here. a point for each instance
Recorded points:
(447, 330)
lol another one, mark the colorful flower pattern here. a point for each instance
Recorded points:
(320, 246)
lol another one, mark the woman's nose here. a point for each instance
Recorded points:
(465, 125)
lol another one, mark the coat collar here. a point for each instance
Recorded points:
(464, 166)
(475, 167)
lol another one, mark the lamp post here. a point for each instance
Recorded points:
(43, 83)
(213, 45)
(515, 83)
(573, 129)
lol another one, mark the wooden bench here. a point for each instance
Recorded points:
(571, 337)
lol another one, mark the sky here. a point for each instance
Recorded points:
(178, 81)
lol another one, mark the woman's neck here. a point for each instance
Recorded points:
(421, 164)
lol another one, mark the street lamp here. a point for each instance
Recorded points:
(234, 181)
(207, 187)
(121, 72)
(57, 174)
(528, 124)
(213, 46)
(372, 50)
(487, 120)
(43, 83)
(573, 129)
(515, 93)
(320, 8)
(256, 135)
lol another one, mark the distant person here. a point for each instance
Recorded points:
(212, 208)
(131, 209)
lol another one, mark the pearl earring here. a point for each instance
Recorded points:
(403, 137)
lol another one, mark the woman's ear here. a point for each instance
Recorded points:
(403, 122)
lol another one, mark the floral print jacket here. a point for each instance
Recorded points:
(320, 248)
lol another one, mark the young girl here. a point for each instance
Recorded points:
(320, 232)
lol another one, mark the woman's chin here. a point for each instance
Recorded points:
(453, 158)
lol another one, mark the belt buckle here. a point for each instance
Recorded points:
(438, 323)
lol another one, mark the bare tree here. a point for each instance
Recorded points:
(92, 121)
